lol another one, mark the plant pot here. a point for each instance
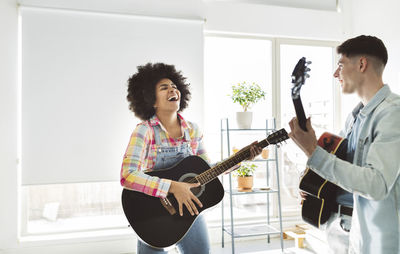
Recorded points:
(265, 153)
(244, 119)
(245, 183)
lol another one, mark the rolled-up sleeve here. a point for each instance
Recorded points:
(137, 158)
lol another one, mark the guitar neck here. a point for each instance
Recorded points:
(301, 116)
(215, 171)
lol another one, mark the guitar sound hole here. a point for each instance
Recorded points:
(188, 178)
(196, 191)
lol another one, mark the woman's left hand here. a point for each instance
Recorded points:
(255, 150)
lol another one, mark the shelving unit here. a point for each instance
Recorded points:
(247, 229)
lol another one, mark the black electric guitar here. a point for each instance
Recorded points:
(156, 221)
(320, 203)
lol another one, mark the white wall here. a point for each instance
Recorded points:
(188, 9)
(8, 124)
(381, 18)
(273, 20)
(359, 16)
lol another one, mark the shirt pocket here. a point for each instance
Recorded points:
(363, 148)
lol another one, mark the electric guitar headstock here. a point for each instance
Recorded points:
(299, 76)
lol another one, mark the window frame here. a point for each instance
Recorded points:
(276, 106)
(276, 43)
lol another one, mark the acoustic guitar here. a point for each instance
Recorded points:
(156, 221)
(320, 203)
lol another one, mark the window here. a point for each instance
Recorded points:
(229, 60)
(69, 207)
(75, 122)
(60, 208)
(317, 96)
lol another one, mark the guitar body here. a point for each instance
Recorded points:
(321, 203)
(156, 221)
(151, 220)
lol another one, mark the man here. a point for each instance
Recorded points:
(373, 131)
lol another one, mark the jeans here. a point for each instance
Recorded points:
(195, 241)
(337, 234)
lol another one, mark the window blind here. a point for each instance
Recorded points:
(75, 121)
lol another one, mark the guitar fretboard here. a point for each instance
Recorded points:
(215, 171)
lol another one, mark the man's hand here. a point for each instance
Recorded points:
(306, 140)
(303, 196)
(184, 196)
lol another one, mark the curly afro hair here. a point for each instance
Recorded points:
(142, 86)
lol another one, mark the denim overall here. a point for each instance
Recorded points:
(196, 240)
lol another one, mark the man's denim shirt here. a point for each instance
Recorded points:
(373, 177)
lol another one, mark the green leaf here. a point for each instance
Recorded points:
(246, 94)
(245, 169)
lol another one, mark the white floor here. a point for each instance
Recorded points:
(257, 247)
(260, 247)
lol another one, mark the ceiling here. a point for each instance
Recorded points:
(328, 5)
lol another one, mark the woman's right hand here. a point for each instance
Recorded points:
(184, 196)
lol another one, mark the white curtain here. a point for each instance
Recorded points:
(75, 121)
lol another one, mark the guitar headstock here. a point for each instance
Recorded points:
(277, 137)
(299, 76)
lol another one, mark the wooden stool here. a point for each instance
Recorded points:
(298, 236)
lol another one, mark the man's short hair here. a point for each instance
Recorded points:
(364, 45)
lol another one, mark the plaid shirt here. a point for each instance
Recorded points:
(141, 155)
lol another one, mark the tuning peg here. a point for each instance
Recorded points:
(308, 69)
(308, 62)
(307, 75)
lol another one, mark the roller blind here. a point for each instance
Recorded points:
(75, 121)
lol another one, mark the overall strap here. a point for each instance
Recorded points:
(187, 135)
(156, 130)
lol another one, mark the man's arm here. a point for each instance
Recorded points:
(376, 177)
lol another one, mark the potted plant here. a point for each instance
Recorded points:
(244, 176)
(246, 95)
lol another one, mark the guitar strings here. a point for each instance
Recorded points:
(206, 174)
(246, 152)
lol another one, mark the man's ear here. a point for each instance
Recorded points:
(363, 62)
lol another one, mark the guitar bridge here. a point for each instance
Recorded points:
(167, 205)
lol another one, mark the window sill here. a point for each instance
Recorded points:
(82, 236)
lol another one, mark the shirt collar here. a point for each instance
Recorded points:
(357, 109)
(153, 121)
(376, 100)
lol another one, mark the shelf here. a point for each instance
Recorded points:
(253, 191)
(251, 230)
(261, 160)
(263, 129)
(255, 160)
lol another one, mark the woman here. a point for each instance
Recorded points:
(157, 93)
